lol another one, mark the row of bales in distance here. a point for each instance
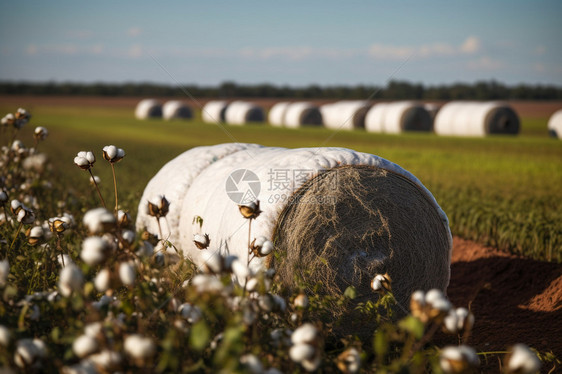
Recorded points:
(456, 118)
(173, 109)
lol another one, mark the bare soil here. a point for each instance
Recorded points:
(514, 300)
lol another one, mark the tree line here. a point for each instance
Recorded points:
(395, 90)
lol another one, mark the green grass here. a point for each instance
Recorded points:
(502, 191)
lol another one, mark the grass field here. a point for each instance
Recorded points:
(503, 191)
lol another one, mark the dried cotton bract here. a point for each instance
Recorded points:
(158, 206)
(261, 246)
(35, 235)
(201, 241)
(381, 283)
(250, 210)
(349, 361)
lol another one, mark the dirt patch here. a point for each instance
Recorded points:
(514, 299)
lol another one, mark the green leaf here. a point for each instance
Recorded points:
(412, 325)
(350, 292)
(199, 336)
(380, 344)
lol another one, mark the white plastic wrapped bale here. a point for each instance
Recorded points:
(398, 117)
(175, 109)
(276, 115)
(555, 124)
(242, 112)
(336, 216)
(302, 114)
(148, 108)
(466, 118)
(345, 115)
(214, 111)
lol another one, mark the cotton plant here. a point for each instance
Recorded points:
(115, 302)
(113, 155)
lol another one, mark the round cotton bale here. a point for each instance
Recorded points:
(214, 111)
(346, 115)
(176, 109)
(303, 114)
(276, 115)
(242, 112)
(397, 117)
(555, 124)
(464, 118)
(336, 216)
(148, 108)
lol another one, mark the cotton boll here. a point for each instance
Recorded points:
(434, 295)
(102, 280)
(301, 301)
(522, 360)
(304, 334)
(93, 329)
(128, 236)
(106, 359)
(94, 250)
(213, 262)
(70, 279)
(312, 364)
(266, 248)
(99, 220)
(29, 351)
(207, 283)
(300, 352)
(4, 272)
(5, 336)
(127, 273)
(252, 363)
(84, 345)
(451, 322)
(139, 347)
(252, 284)
(191, 313)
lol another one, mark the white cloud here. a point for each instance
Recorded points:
(540, 68)
(31, 49)
(484, 63)
(135, 51)
(299, 53)
(470, 45)
(540, 50)
(64, 49)
(97, 49)
(134, 31)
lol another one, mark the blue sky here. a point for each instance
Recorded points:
(290, 42)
